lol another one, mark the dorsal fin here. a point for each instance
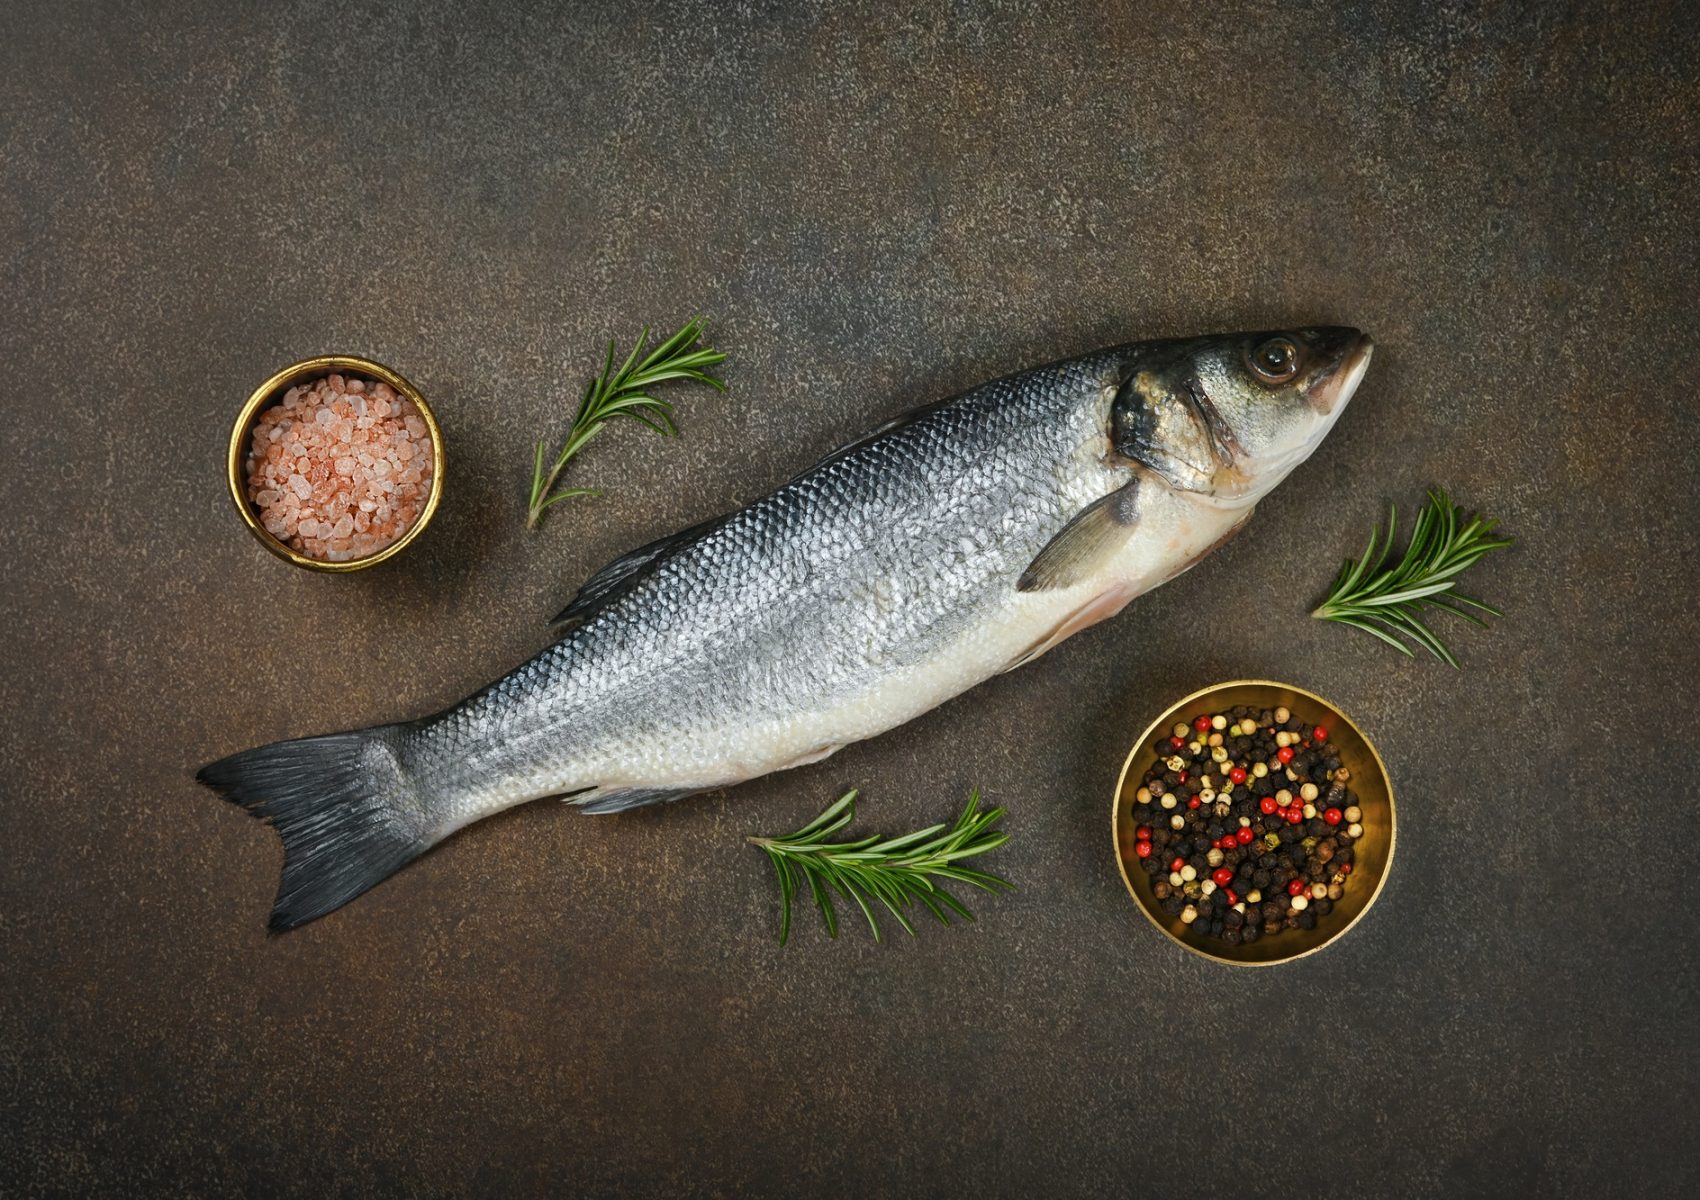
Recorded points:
(878, 431)
(612, 579)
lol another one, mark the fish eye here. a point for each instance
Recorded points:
(1275, 360)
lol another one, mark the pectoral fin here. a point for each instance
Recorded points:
(1085, 544)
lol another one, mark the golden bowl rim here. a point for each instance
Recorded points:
(265, 395)
(1162, 721)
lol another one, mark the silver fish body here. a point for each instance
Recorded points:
(958, 542)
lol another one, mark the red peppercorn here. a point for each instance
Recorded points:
(1177, 863)
(1294, 815)
(1233, 897)
(1295, 887)
(1267, 804)
(1177, 743)
(1183, 776)
(1143, 849)
(1244, 836)
(1223, 876)
(1236, 775)
(1319, 733)
(1345, 868)
(1285, 754)
(1332, 815)
(1202, 724)
(1143, 833)
(1194, 802)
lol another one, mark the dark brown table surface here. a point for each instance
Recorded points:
(877, 206)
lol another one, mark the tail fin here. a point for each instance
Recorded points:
(343, 808)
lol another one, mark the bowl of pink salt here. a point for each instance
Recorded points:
(336, 463)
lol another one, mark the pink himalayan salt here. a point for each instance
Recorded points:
(340, 468)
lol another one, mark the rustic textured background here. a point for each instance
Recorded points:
(877, 205)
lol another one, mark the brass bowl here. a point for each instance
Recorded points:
(269, 393)
(1372, 854)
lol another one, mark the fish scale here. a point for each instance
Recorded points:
(950, 545)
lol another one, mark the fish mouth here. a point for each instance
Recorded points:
(1334, 387)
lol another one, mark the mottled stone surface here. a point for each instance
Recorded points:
(877, 205)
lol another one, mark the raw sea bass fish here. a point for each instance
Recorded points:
(958, 541)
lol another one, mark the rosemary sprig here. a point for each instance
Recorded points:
(1387, 602)
(624, 393)
(893, 871)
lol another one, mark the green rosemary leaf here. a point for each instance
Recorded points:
(1368, 628)
(825, 902)
(928, 899)
(945, 898)
(1447, 605)
(787, 889)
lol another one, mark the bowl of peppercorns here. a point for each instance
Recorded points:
(1253, 822)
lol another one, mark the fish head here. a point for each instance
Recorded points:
(1228, 416)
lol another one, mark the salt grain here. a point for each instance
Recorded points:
(340, 468)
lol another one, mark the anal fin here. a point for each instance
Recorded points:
(613, 800)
